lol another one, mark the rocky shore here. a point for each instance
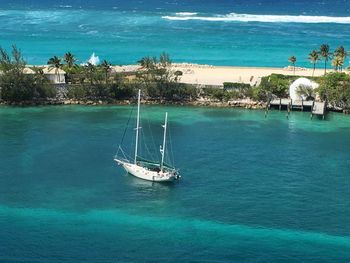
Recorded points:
(244, 103)
(247, 104)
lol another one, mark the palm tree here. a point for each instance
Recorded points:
(148, 62)
(324, 51)
(90, 70)
(55, 63)
(341, 54)
(338, 62)
(293, 60)
(39, 75)
(70, 59)
(314, 58)
(106, 67)
(305, 91)
(164, 59)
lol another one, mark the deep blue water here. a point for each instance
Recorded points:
(125, 31)
(253, 189)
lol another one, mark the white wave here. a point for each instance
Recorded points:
(186, 14)
(92, 32)
(94, 60)
(65, 6)
(233, 17)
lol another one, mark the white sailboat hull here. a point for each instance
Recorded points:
(145, 174)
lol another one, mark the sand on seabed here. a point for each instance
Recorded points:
(217, 75)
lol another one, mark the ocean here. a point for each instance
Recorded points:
(225, 32)
(253, 189)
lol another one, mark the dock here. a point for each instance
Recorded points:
(319, 108)
(315, 107)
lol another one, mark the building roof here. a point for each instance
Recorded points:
(28, 71)
(46, 69)
(50, 70)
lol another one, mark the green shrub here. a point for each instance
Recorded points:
(275, 84)
(335, 88)
(236, 86)
(76, 92)
(125, 91)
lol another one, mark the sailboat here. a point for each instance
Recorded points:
(143, 168)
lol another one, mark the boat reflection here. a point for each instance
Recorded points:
(148, 186)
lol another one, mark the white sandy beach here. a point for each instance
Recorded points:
(217, 75)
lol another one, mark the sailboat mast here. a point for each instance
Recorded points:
(137, 126)
(164, 141)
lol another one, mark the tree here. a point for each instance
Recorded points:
(338, 63)
(314, 58)
(13, 62)
(55, 63)
(70, 59)
(106, 67)
(325, 54)
(335, 88)
(148, 62)
(340, 55)
(306, 92)
(39, 76)
(15, 84)
(158, 78)
(293, 60)
(164, 60)
(275, 84)
(43, 89)
(90, 71)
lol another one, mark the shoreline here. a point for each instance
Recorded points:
(240, 103)
(199, 75)
(216, 75)
(210, 75)
(247, 104)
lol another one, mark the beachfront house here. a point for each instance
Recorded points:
(52, 74)
(55, 76)
(28, 71)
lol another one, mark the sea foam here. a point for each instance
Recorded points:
(234, 17)
(65, 6)
(186, 14)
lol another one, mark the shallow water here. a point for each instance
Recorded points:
(253, 189)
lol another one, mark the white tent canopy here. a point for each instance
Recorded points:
(300, 82)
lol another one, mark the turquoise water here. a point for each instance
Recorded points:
(253, 189)
(225, 32)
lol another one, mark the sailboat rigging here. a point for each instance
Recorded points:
(143, 168)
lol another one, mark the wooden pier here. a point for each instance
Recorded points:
(315, 107)
(319, 108)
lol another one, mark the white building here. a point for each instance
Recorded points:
(52, 74)
(28, 71)
(55, 76)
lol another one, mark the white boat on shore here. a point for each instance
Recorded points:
(143, 168)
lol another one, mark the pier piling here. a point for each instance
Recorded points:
(315, 107)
